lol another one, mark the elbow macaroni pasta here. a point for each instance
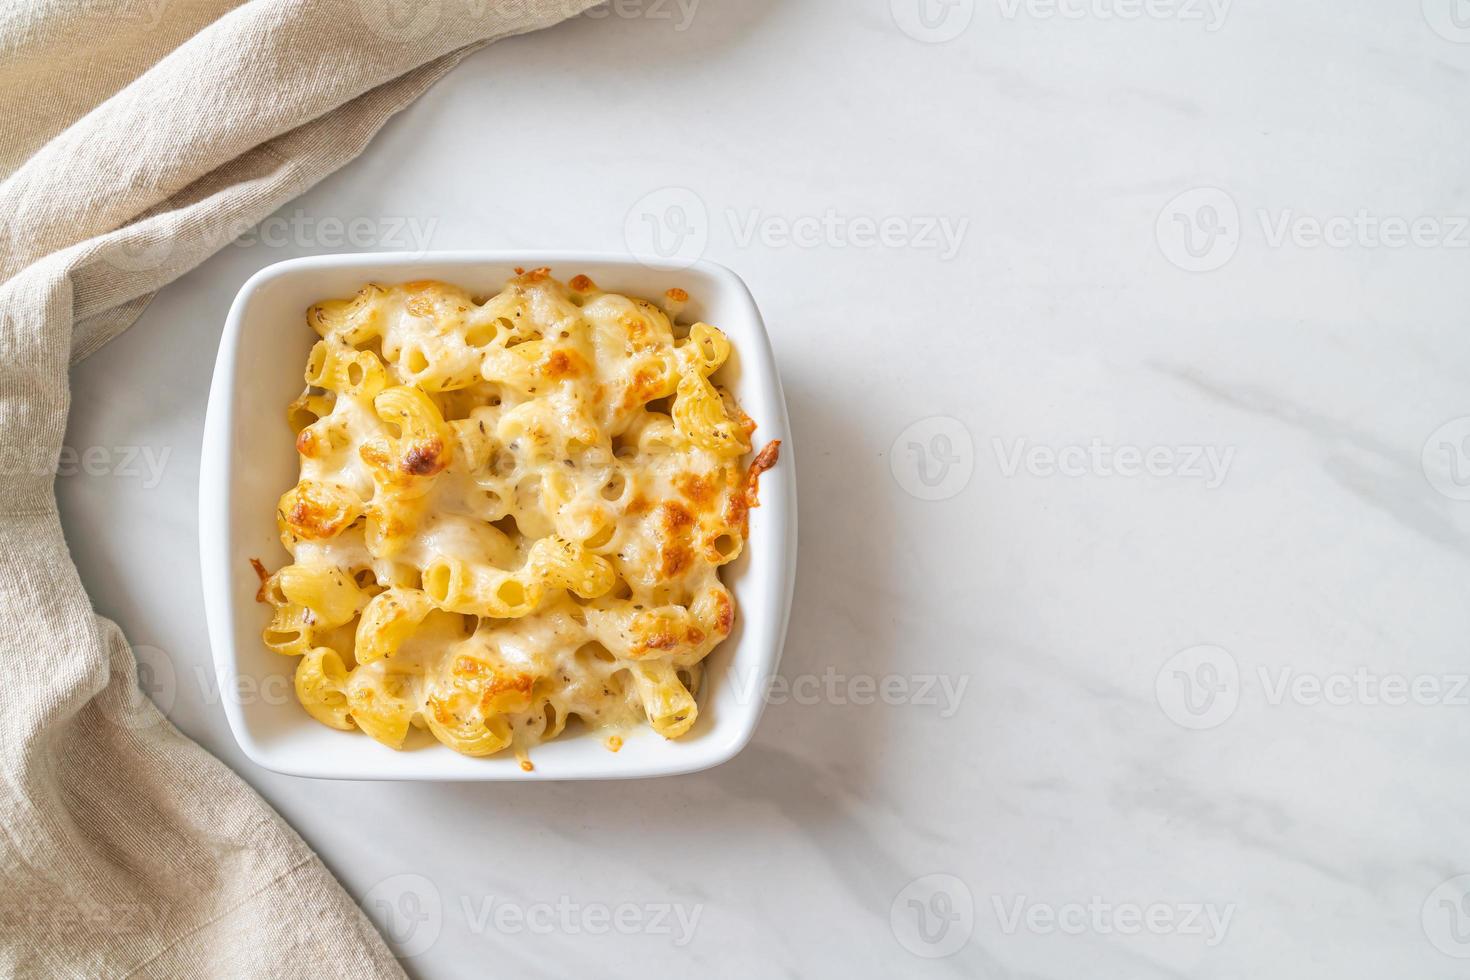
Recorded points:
(511, 512)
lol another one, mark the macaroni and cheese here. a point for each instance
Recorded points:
(511, 512)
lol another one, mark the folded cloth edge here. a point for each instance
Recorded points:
(114, 808)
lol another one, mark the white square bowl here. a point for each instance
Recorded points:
(249, 460)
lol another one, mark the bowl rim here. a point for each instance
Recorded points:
(778, 506)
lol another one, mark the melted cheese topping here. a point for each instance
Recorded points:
(512, 511)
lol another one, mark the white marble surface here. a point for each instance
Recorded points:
(1070, 765)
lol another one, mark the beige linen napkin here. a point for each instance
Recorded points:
(135, 135)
